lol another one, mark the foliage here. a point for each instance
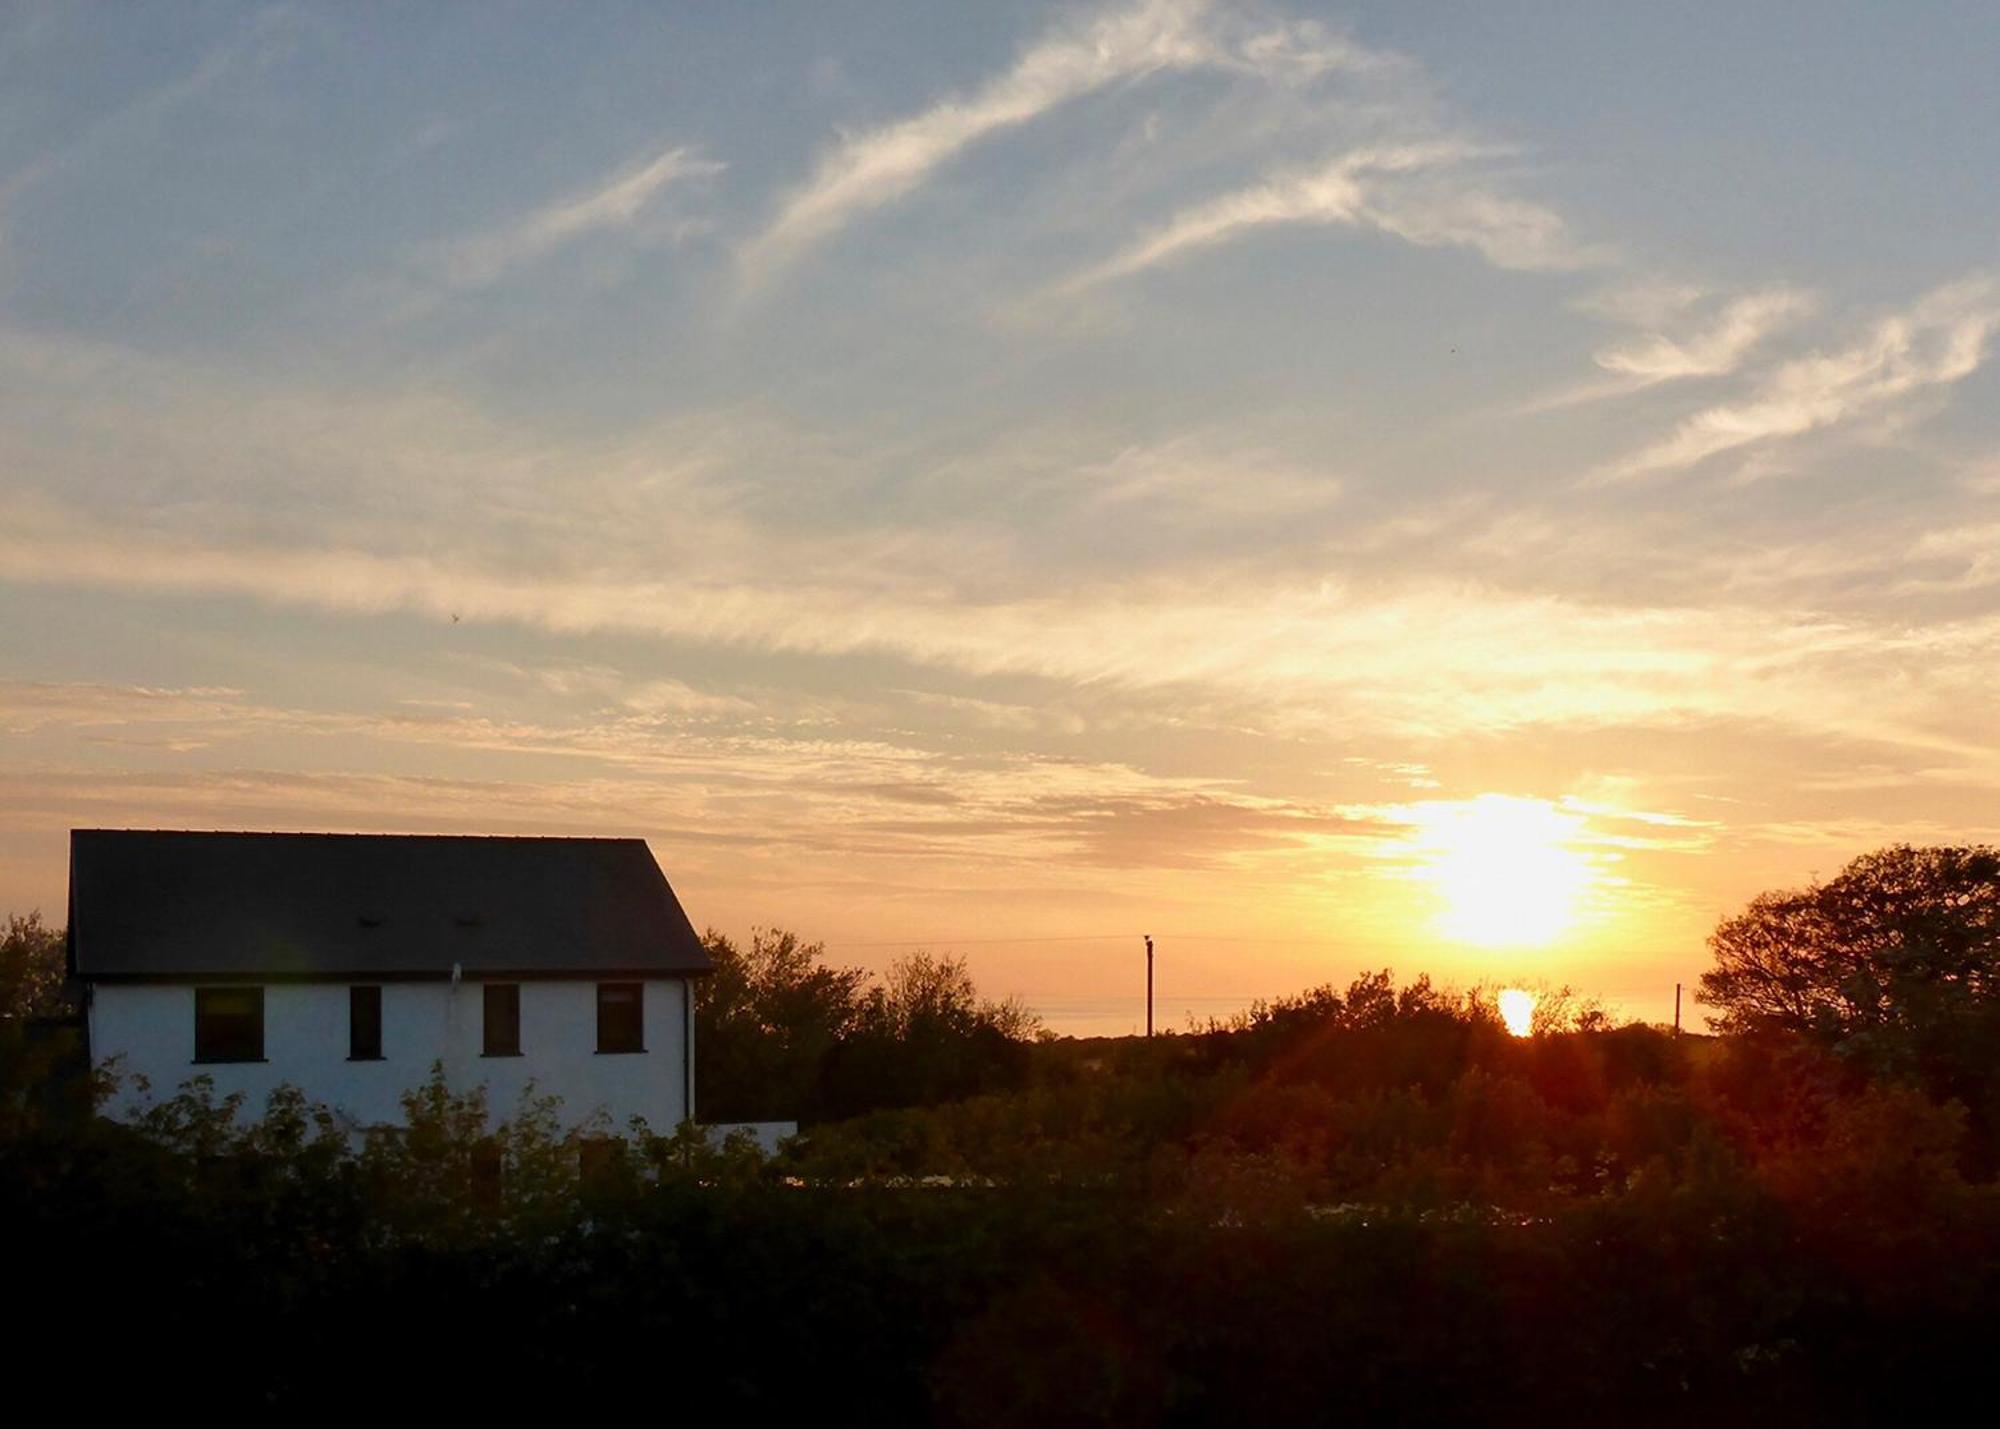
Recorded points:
(924, 1035)
(31, 969)
(1901, 941)
(42, 1070)
(1408, 1096)
(1366, 1202)
(780, 1036)
(1738, 1266)
(1893, 965)
(766, 1019)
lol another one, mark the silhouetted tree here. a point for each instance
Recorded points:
(780, 1035)
(1900, 938)
(765, 1021)
(1894, 965)
(925, 1035)
(43, 1072)
(31, 969)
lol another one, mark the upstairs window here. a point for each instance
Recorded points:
(364, 1024)
(503, 1019)
(621, 1017)
(229, 1024)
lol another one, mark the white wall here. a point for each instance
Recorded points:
(150, 1028)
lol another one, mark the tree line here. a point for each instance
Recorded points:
(780, 1035)
(1363, 1201)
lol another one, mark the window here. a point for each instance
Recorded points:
(364, 1024)
(621, 1018)
(503, 1019)
(229, 1024)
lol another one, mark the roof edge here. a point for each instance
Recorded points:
(370, 975)
(342, 834)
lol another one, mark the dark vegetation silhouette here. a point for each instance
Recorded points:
(1364, 1203)
(780, 1036)
(42, 1071)
(31, 971)
(1892, 967)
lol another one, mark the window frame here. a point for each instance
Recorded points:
(637, 991)
(358, 994)
(205, 1052)
(508, 992)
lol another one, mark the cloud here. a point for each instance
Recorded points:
(133, 474)
(669, 699)
(618, 202)
(266, 38)
(877, 166)
(1196, 481)
(1712, 351)
(27, 705)
(137, 474)
(1678, 347)
(1970, 554)
(1651, 302)
(1367, 187)
(1430, 661)
(1982, 478)
(1941, 340)
(1410, 181)
(811, 793)
(161, 717)
(1508, 232)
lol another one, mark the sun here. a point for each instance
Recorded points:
(1517, 1011)
(1506, 870)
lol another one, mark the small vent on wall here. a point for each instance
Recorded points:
(467, 920)
(370, 920)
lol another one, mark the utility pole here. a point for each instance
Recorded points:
(1677, 1009)
(1149, 984)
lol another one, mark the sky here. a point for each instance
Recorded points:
(1482, 490)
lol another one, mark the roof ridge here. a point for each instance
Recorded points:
(343, 834)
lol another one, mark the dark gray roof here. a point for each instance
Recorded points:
(152, 904)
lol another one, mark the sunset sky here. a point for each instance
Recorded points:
(1482, 489)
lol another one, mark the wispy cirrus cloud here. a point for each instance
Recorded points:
(801, 789)
(422, 504)
(1688, 336)
(1188, 480)
(1940, 340)
(1367, 187)
(876, 166)
(617, 202)
(268, 36)
(1507, 231)
(1710, 351)
(1426, 662)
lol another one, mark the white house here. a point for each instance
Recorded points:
(347, 964)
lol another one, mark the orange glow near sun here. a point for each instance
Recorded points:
(1505, 869)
